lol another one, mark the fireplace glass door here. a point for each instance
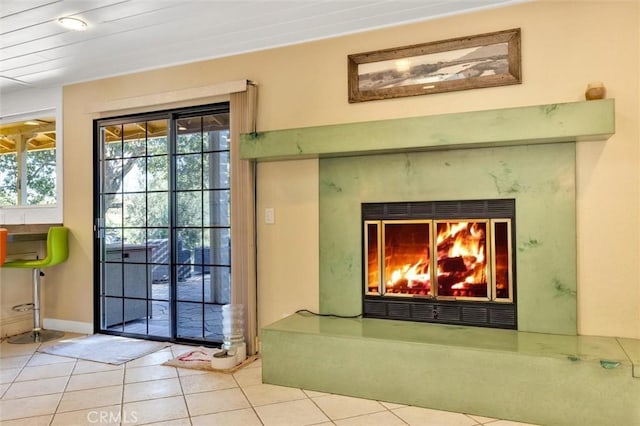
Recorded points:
(449, 262)
(463, 266)
(442, 259)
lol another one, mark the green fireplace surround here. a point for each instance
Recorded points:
(542, 373)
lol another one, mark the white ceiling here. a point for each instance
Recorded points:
(124, 36)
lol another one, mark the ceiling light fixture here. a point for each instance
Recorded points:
(74, 24)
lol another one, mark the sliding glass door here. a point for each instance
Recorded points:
(162, 212)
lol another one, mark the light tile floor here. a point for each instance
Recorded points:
(40, 389)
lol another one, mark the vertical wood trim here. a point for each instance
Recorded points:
(243, 249)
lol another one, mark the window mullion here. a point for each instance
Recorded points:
(21, 158)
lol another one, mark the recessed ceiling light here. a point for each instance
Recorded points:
(74, 24)
(31, 123)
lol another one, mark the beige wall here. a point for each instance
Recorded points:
(288, 249)
(565, 45)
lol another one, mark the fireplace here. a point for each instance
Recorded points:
(440, 261)
(522, 153)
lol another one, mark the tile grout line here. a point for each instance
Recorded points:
(17, 375)
(22, 369)
(124, 383)
(66, 385)
(397, 416)
(153, 380)
(253, 408)
(477, 423)
(385, 409)
(184, 396)
(319, 408)
(625, 353)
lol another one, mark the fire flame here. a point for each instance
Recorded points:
(461, 263)
(468, 240)
(417, 274)
(462, 243)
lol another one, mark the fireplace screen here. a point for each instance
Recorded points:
(462, 255)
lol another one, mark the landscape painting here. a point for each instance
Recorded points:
(458, 64)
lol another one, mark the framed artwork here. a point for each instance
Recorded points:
(462, 63)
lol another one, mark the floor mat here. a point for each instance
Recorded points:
(104, 348)
(200, 359)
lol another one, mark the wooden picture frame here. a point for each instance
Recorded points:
(484, 60)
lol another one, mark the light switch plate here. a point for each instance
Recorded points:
(269, 216)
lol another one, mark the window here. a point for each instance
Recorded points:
(28, 162)
(31, 145)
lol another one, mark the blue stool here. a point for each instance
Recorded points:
(57, 252)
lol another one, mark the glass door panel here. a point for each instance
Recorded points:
(202, 223)
(134, 183)
(163, 224)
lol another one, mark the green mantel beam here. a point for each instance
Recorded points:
(552, 123)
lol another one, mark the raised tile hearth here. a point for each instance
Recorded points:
(529, 377)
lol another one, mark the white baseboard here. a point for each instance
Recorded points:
(68, 326)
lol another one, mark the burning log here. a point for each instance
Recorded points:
(445, 246)
(452, 264)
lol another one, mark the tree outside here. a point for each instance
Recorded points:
(136, 182)
(40, 178)
(8, 179)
